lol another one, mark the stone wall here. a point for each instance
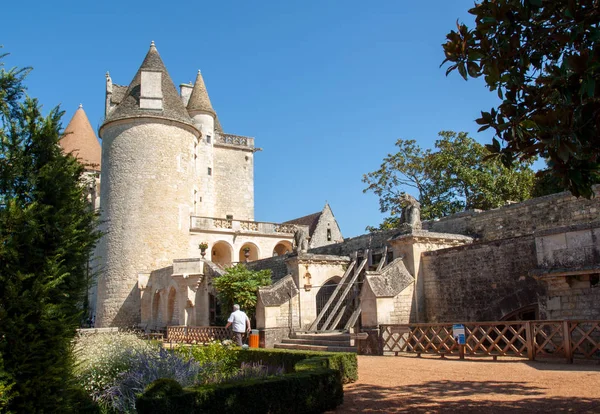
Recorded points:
(521, 219)
(572, 297)
(569, 263)
(404, 306)
(479, 282)
(234, 182)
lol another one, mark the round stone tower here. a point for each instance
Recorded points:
(148, 171)
(203, 115)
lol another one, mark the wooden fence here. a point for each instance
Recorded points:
(197, 334)
(527, 339)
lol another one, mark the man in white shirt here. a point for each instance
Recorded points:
(238, 320)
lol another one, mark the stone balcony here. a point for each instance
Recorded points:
(223, 225)
(238, 141)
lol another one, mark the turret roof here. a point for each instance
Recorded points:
(80, 140)
(218, 126)
(172, 107)
(199, 100)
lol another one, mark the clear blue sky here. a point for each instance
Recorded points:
(325, 87)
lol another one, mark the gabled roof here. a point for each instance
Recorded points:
(392, 280)
(311, 221)
(199, 100)
(80, 140)
(172, 107)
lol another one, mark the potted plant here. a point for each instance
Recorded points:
(246, 251)
(203, 246)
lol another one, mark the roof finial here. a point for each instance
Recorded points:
(199, 72)
(80, 106)
(152, 44)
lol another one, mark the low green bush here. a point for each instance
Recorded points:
(313, 383)
(344, 362)
(307, 391)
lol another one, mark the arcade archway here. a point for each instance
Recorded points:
(282, 248)
(221, 253)
(248, 252)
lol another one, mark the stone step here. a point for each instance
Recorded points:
(321, 348)
(324, 342)
(342, 337)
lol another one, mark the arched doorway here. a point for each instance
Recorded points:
(172, 314)
(221, 253)
(323, 296)
(282, 248)
(252, 252)
(526, 313)
(156, 310)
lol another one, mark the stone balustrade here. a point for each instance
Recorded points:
(237, 140)
(242, 226)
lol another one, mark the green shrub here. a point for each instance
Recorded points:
(313, 384)
(83, 403)
(159, 396)
(344, 362)
(218, 360)
(209, 353)
(310, 391)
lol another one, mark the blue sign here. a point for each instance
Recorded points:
(458, 332)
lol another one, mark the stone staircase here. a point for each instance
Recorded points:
(331, 342)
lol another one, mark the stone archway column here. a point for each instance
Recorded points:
(187, 288)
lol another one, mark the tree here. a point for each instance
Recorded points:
(543, 59)
(240, 285)
(456, 177)
(47, 232)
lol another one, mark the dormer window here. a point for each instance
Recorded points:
(151, 90)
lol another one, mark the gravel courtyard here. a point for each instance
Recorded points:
(432, 385)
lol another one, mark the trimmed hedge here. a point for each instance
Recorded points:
(344, 362)
(307, 391)
(312, 384)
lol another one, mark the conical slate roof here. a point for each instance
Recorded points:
(172, 107)
(80, 140)
(218, 126)
(199, 100)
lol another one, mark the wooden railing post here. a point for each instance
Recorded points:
(380, 339)
(530, 341)
(567, 342)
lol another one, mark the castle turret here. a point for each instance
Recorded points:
(204, 117)
(80, 140)
(148, 187)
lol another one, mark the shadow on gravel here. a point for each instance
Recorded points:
(551, 365)
(450, 396)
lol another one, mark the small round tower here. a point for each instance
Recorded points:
(148, 169)
(205, 119)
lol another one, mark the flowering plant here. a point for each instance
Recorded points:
(203, 246)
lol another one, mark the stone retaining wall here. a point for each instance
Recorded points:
(479, 282)
(516, 220)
